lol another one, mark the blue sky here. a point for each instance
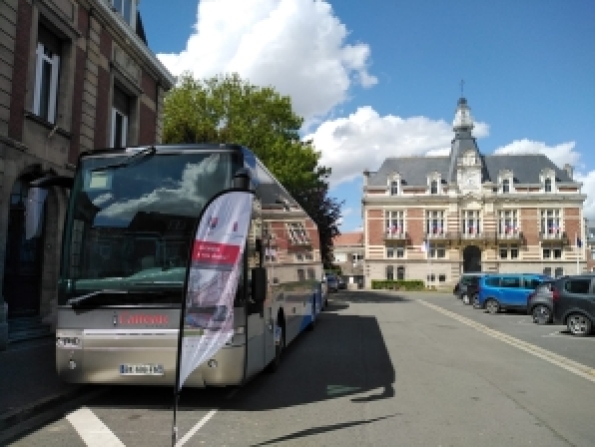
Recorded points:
(381, 78)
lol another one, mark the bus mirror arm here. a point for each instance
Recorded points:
(259, 284)
(38, 191)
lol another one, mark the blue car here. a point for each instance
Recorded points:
(508, 290)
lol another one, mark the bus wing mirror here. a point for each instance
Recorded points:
(241, 179)
(34, 212)
(259, 284)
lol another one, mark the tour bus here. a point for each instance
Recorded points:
(128, 233)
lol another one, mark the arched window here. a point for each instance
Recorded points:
(401, 273)
(434, 187)
(548, 185)
(390, 272)
(506, 185)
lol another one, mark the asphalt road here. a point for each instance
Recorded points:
(380, 369)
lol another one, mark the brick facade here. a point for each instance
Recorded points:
(89, 67)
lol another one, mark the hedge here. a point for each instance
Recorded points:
(414, 284)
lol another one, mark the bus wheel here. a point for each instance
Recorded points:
(279, 348)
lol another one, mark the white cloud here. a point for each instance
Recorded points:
(365, 139)
(588, 181)
(297, 46)
(561, 154)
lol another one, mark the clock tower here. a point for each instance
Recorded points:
(465, 167)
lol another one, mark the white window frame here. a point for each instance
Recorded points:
(124, 136)
(54, 61)
(435, 222)
(297, 232)
(509, 249)
(471, 220)
(119, 7)
(395, 223)
(551, 252)
(555, 217)
(436, 251)
(508, 223)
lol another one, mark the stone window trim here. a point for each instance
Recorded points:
(508, 223)
(505, 182)
(471, 223)
(395, 222)
(551, 223)
(394, 184)
(508, 251)
(435, 222)
(47, 76)
(552, 253)
(547, 179)
(434, 184)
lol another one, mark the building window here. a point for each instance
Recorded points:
(548, 185)
(442, 278)
(124, 8)
(394, 187)
(395, 252)
(593, 253)
(508, 223)
(390, 252)
(437, 251)
(506, 185)
(390, 272)
(559, 272)
(301, 275)
(400, 252)
(357, 257)
(434, 187)
(552, 253)
(471, 223)
(120, 114)
(395, 223)
(270, 255)
(547, 271)
(297, 233)
(509, 251)
(435, 222)
(401, 273)
(311, 274)
(551, 223)
(47, 65)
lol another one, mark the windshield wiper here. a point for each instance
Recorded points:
(140, 155)
(76, 302)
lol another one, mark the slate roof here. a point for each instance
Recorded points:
(414, 170)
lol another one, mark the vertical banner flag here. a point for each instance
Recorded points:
(215, 268)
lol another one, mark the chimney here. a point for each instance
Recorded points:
(568, 169)
(366, 177)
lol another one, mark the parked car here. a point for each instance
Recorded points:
(332, 282)
(508, 291)
(574, 303)
(466, 288)
(540, 304)
(341, 283)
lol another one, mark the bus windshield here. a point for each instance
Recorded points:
(130, 223)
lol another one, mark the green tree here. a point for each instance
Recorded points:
(228, 109)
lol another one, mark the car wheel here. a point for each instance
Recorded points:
(466, 299)
(492, 306)
(541, 314)
(579, 325)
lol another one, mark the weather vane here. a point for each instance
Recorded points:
(462, 87)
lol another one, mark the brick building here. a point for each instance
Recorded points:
(348, 252)
(75, 75)
(433, 218)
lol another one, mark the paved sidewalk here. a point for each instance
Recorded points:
(28, 381)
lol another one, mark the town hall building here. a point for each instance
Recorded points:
(434, 218)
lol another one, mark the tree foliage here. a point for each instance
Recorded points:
(228, 109)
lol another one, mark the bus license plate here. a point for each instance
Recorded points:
(142, 370)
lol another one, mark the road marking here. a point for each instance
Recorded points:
(194, 429)
(570, 365)
(93, 432)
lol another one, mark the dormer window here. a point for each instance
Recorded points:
(505, 185)
(394, 187)
(434, 187)
(548, 185)
(126, 8)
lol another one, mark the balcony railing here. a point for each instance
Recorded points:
(395, 235)
(553, 236)
(504, 236)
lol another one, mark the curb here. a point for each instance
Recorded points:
(14, 417)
